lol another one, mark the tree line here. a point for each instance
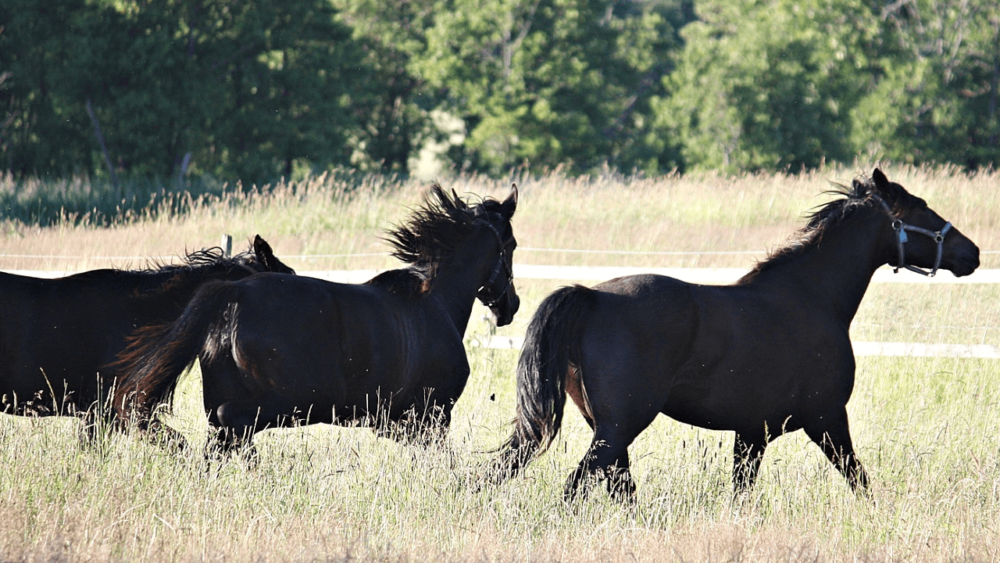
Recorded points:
(259, 89)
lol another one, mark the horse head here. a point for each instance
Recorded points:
(498, 292)
(922, 239)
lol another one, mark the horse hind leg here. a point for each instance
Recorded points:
(225, 443)
(834, 438)
(577, 392)
(617, 418)
(232, 426)
(240, 420)
(606, 460)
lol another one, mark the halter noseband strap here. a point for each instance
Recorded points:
(481, 293)
(901, 239)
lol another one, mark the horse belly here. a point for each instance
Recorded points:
(704, 409)
(752, 385)
(51, 367)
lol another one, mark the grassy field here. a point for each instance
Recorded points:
(927, 429)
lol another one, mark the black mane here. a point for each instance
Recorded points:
(861, 194)
(403, 281)
(151, 278)
(213, 256)
(430, 236)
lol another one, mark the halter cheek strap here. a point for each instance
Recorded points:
(901, 239)
(501, 264)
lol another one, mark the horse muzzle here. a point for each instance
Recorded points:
(505, 310)
(966, 263)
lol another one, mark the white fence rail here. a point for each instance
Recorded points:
(692, 275)
(861, 348)
(601, 273)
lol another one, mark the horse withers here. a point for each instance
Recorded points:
(768, 355)
(281, 350)
(60, 337)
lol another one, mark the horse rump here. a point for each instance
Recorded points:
(156, 356)
(551, 347)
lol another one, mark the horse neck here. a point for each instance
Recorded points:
(837, 269)
(460, 276)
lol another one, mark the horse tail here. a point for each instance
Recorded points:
(551, 345)
(150, 367)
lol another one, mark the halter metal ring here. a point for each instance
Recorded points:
(901, 239)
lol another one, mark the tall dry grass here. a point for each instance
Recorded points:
(321, 219)
(926, 428)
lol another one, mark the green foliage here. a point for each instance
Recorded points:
(776, 84)
(42, 130)
(768, 84)
(246, 89)
(935, 99)
(547, 82)
(260, 89)
(392, 107)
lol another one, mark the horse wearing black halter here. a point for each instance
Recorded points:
(768, 355)
(58, 337)
(282, 350)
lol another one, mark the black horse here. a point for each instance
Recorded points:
(768, 355)
(282, 350)
(59, 337)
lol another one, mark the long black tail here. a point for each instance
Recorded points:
(550, 346)
(151, 365)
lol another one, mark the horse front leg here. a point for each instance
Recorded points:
(425, 423)
(93, 423)
(833, 436)
(748, 452)
(414, 429)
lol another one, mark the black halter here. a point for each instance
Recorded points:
(901, 239)
(482, 294)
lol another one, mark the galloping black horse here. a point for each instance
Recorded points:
(282, 350)
(58, 337)
(768, 355)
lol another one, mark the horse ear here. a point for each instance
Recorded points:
(509, 205)
(265, 256)
(881, 182)
(458, 201)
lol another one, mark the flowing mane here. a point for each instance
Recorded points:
(150, 279)
(213, 256)
(430, 236)
(861, 194)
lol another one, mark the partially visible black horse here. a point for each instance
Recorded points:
(283, 350)
(768, 355)
(58, 337)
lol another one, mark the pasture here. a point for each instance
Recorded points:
(927, 429)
